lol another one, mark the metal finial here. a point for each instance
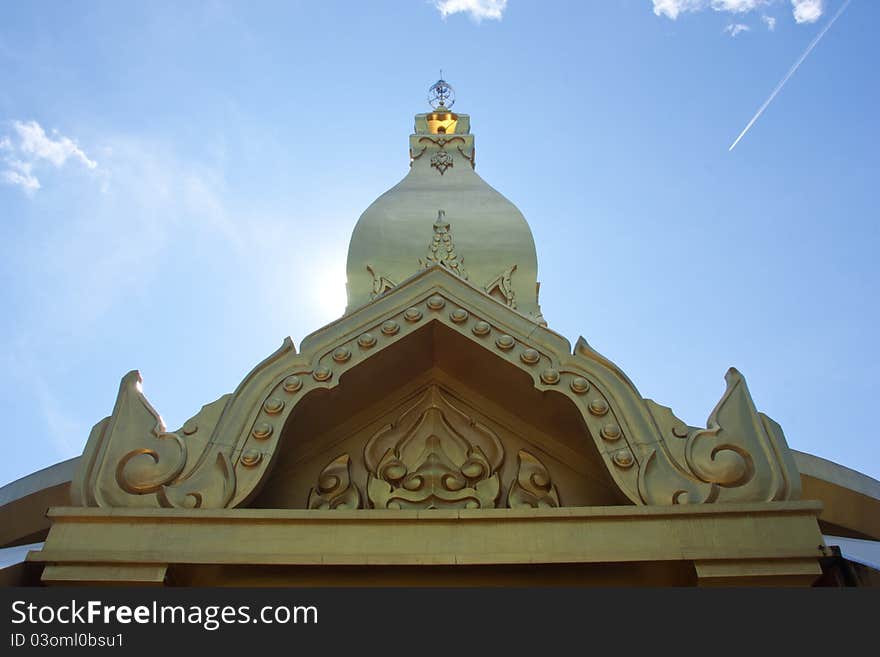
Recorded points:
(441, 95)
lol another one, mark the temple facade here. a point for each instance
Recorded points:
(440, 432)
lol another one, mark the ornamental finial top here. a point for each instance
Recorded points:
(441, 95)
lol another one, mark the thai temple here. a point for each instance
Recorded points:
(440, 433)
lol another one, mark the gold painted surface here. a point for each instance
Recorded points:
(742, 454)
(501, 287)
(442, 122)
(441, 251)
(23, 503)
(836, 474)
(376, 395)
(381, 283)
(58, 474)
(652, 457)
(642, 574)
(778, 533)
(148, 465)
(772, 572)
(850, 499)
(335, 489)
(433, 455)
(533, 486)
(91, 574)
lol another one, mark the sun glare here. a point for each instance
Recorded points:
(328, 298)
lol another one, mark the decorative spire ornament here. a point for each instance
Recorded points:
(441, 95)
(442, 249)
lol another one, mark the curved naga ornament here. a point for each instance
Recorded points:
(434, 455)
(147, 463)
(148, 468)
(740, 456)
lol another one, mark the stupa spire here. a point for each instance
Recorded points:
(389, 241)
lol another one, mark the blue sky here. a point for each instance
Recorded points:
(179, 181)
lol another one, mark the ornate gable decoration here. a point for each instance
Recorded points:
(501, 287)
(220, 456)
(442, 249)
(433, 456)
(381, 283)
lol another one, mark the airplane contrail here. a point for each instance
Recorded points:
(791, 72)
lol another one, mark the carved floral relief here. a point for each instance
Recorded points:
(335, 489)
(533, 486)
(442, 249)
(434, 455)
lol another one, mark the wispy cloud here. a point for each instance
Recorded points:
(735, 29)
(804, 11)
(738, 6)
(477, 9)
(37, 144)
(791, 72)
(807, 11)
(673, 8)
(33, 148)
(117, 239)
(108, 254)
(19, 173)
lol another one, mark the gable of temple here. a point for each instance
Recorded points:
(434, 384)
